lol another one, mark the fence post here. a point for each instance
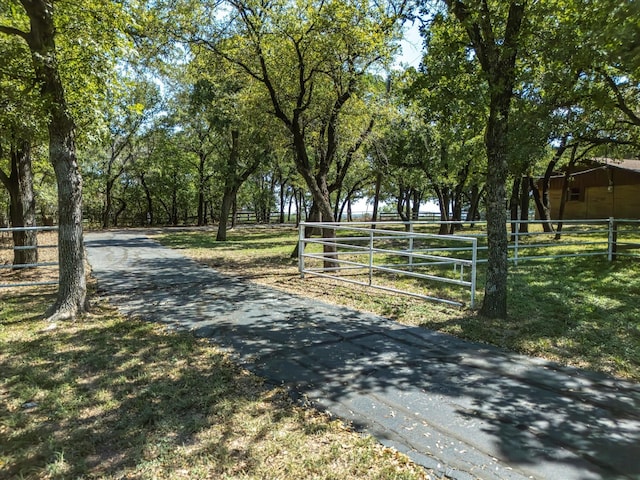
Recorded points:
(411, 246)
(613, 240)
(370, 258)
(474, 263)
(301, 226)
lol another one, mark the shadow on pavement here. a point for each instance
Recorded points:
(470, 407)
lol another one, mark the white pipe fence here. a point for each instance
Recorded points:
(578, 238)
(422, 250)
(600, 237)
(39, 264)
(367, 256)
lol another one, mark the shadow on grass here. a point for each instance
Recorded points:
(582, 311)
(249, 267)
(532, 415)
(118, 395)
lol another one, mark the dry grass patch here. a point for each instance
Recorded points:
(110, 397)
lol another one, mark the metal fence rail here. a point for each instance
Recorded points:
(366, 256)
(579, 238)
(7, 258)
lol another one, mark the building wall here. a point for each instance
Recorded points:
(620, 201)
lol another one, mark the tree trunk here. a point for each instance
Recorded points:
(443, 206)
(542, 212)
(292, 198)
(233, 182)
(495, 299)
(563, 202)
(416, 201)
(72, 289)
(524, 205)
(22, 209)
(497, 57)
(320, 192)
(269, 199)
(120, 211)
(376, 199)
(476, 195)
(513, 206)
(147, 194)
(565, 189)
(546, 202)
(228, 200)
(337, 211)
(174, 202)
(201, 208)
(108, 203)
(346, 203)
(462, 177)
(402, 207)
(456, 210)
(202, 186)
(234, 213)
(282, 202)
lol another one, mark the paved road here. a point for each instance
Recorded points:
(466, 410)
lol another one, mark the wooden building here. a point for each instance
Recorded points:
(600, 188)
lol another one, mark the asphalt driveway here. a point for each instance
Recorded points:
(464, 409)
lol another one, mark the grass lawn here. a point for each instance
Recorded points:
(577, 311)
(114, 398)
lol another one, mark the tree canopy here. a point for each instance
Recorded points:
(190, 112)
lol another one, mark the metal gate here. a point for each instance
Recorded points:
(384, 258)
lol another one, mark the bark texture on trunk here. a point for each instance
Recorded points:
(22, 208)
(495, 294)
(497, 57)
(71, 300)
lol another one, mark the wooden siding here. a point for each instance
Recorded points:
(599, 192)
(623, 201)
(599, 177)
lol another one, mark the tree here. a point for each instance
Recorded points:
(224, 114)
(20, 128)
(453, 104)
(582, 86)
(494, 35)
(22, 211)
(40, 38)
(310, 59)
(125, 118)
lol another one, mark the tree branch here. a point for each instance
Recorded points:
(13, 31)
(621, 102)
(479, 43)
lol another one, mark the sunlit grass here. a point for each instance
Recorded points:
(109, 397)
(577, 311)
